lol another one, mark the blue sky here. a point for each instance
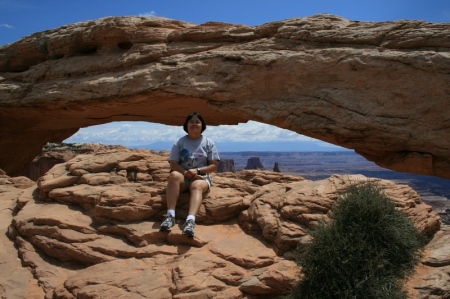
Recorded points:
(19, 18)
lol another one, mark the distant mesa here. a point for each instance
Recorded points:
(276, 168)
(254, 163)
(226, 165)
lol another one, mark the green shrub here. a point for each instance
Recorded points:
(364, 251)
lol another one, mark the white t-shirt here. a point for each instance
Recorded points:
(194, 153)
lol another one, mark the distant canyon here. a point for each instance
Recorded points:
(320, 165)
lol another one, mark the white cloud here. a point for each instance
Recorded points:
(7, 26)
(127, 133)
(148, 14)
(253, 131)
(141, 133)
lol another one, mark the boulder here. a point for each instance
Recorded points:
(88, 228)
(56, 153)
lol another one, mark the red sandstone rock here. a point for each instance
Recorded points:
(103, 240)
(254, 163)
(378, 88)
(276, 167)
(56, 153)
(226, 165)
(16, 281)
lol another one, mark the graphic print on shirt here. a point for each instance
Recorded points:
(190, 159)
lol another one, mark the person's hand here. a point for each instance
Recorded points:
(190, 174)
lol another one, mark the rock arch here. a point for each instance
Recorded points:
(381, 89)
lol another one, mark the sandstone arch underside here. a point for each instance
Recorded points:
(382, 89)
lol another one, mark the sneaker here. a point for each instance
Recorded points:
(188, 229)
(168, 222)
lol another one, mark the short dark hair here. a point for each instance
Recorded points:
(188, 118)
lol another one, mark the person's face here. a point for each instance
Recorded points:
(194, 125)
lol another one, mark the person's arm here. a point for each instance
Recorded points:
(212, 166)
(175, 166)
(193, 172)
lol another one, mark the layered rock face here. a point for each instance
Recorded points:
(254, 163)
(90, 229)
(276, 167)
(226, 165)
(56, 153)
(378, 88)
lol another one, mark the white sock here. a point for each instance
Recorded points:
(190, 217)
(171, 212)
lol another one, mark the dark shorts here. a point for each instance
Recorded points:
(206, 178)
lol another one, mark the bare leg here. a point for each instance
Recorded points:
(197, 188)
(174, 186)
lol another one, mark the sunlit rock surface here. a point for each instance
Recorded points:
(90, 228)
(380, 88)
